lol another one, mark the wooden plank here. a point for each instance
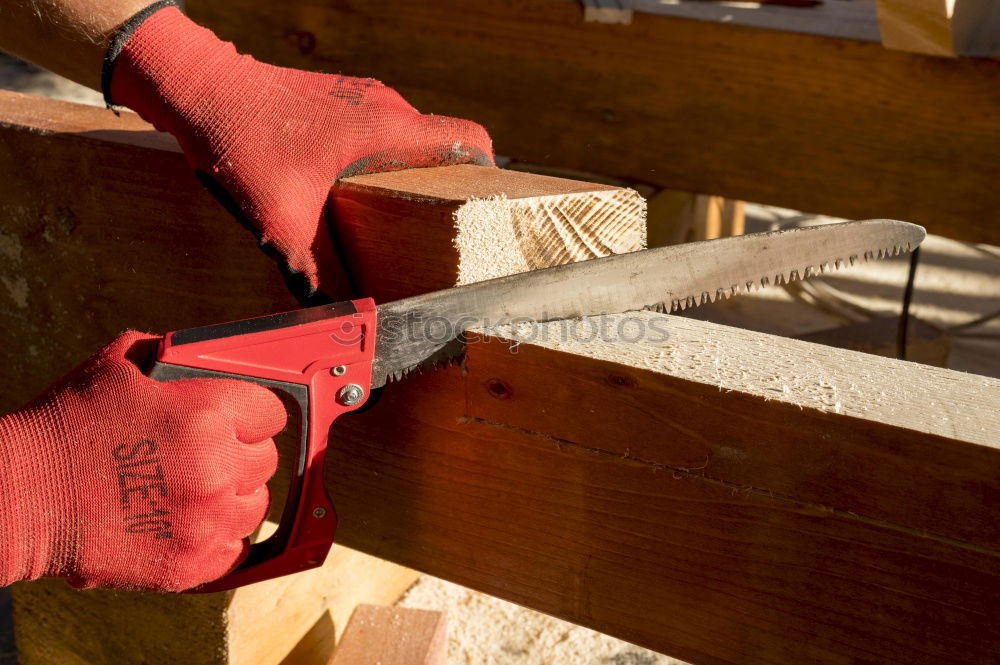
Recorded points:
(678, 217)
(941, 27)
(820, 124)
(461, 224)
(393, 636)
(714, 523)
(300, 617)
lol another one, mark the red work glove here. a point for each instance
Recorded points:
(112, 479)
(269, 141)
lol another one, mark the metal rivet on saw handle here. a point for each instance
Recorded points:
(351, 394)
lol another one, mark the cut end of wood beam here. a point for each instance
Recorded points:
(545, 231)
(487, 223)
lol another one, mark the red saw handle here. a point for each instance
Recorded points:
(321, 357)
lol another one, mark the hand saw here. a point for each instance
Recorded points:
(329, 358)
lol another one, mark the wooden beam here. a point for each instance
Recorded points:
(462, 224)
(679, 217)
(752, 500)
(393, 636)
(941, 27)
(715, 494)
(264, 623)
(820, 124)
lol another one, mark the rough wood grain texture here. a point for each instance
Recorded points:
(751, 499)
(103, 228)
(813, 123)
(467, 223)
(259, 624)
(393, 636)
(941, 27)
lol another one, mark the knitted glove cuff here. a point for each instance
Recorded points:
(118, 43)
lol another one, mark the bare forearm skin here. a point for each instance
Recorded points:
(68, 37)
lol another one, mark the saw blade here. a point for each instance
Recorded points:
(427, 330)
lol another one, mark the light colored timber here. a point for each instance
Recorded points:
(393, 636)
(678, 217)
(460, 224)
(827, 125)
(941, 27)
(300, 616)
(104, 228)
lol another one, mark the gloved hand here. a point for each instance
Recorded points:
(112, 479)
(269, 141)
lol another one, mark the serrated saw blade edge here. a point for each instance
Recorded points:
(425, 330)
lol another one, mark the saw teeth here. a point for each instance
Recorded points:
(780, 279)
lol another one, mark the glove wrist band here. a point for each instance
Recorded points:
(118, 43)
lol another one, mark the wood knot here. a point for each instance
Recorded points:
(499, 389)
(622, 380)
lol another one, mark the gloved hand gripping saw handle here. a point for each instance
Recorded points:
(322, 357)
